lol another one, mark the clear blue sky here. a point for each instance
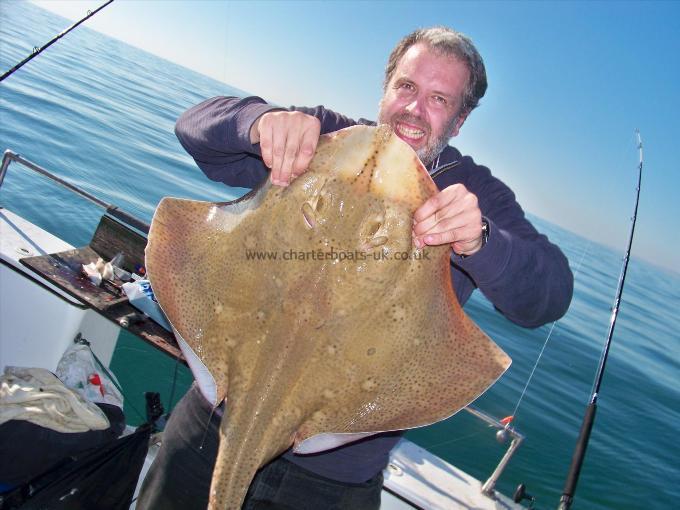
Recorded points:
(568, 84)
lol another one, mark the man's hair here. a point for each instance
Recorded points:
(448, 42)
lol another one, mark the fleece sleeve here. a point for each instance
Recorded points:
(524, 275)
(216, 133)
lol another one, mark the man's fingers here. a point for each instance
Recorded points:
(431, 205)
(279, 140)
(461, 228)
(447, 196)
(287, 143)
(446, 237)
(458, 208)
(445, 231)
(290, 154)
(439, 219)
(435, 218)
(440, 233)
(266, 133)
(310, 138)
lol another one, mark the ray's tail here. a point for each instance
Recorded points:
(235, 468)
(246, 444)
(238, 458)
(231, 478)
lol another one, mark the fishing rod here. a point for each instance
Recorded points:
(37, 51)
(589, 417)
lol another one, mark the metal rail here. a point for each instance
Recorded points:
(111, 209)
(489, 486)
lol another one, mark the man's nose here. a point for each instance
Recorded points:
(415, 107)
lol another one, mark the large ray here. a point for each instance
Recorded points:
(315, 315)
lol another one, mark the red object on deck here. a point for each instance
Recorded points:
(95, 380)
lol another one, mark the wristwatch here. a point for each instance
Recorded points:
(485, 232)
(485, 235)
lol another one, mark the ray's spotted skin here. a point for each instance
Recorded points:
(320, 348)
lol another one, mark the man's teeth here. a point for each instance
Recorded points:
(411, 133)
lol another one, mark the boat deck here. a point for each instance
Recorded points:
(427, 481)
(59, 268)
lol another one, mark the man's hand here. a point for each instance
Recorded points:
(287, 143)
(451, 216)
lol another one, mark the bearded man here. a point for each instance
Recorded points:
(434, 78)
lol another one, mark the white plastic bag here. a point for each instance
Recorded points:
(78, 370)
(141, 296)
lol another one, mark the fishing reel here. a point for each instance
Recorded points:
(521, 494)
(154, 411)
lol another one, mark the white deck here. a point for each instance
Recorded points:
(38, 321)
(432, 483)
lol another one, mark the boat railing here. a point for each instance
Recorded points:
(113, 210)
(504, 430)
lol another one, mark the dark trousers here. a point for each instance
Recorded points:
(180, 476)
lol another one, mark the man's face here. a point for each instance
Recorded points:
(423, 99)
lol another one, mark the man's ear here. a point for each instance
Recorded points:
(459, 124)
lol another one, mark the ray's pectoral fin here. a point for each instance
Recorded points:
(186, 238)
(419, 360)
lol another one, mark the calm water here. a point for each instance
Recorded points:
(101, 114)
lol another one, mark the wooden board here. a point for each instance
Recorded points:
(64, 270)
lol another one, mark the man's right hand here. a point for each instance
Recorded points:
(287, 143)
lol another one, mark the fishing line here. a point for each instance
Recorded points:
(37, 51)
(545, 343)
(207, 426)
(456, 440)
(531, 375)
(174, 383)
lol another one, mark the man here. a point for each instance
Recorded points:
(433, 80)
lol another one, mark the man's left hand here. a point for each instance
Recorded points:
(451, 216)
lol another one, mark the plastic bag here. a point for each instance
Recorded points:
(141, 296)
(78, 370)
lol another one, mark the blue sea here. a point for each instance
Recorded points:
(101, 113)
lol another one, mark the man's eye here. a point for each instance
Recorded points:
(406, 86)
(439, 99)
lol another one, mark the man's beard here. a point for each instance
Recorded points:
(432, 149)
